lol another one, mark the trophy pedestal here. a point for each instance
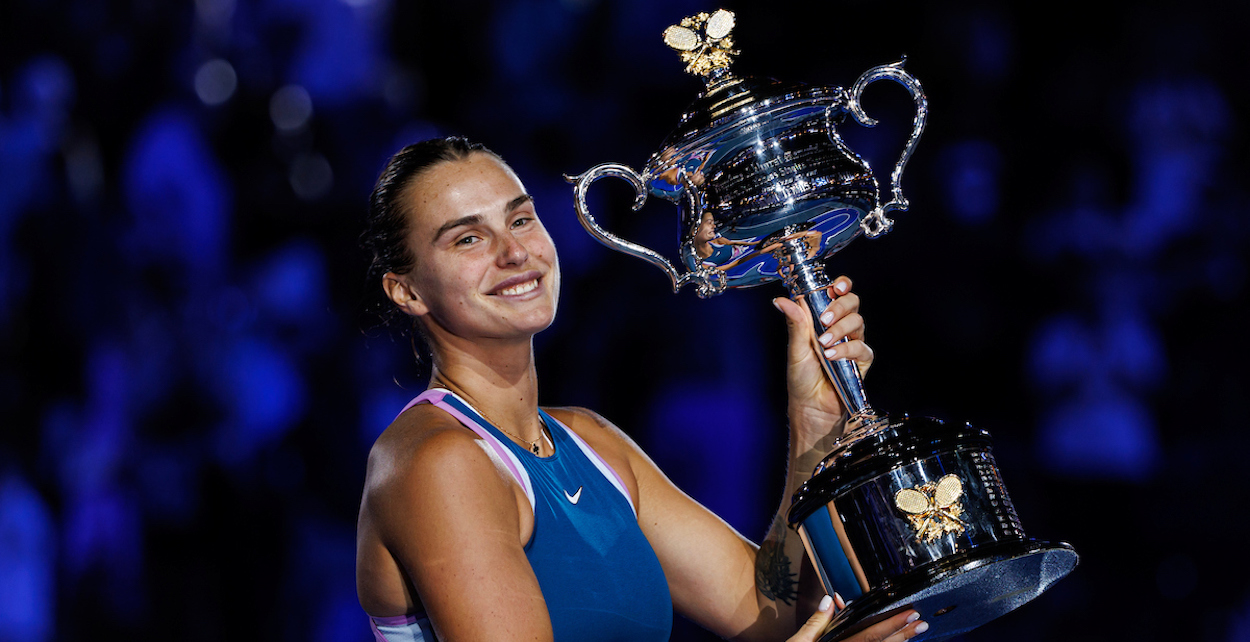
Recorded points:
(963, 592)
(912, 512)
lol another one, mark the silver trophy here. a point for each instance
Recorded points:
(905, 511)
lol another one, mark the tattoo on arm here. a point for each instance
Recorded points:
(772, 573)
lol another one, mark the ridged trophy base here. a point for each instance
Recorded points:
(912, 512)
(962, 592)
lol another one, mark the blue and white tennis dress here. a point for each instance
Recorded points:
(598, 574)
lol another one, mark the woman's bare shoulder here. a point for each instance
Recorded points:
(437, 501)
(584, 421)
(593, 427)
(424, 440)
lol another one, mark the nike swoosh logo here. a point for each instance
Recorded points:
(575, 497)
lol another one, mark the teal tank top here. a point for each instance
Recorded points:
(597, 571)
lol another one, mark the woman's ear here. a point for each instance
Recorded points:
(401, 292)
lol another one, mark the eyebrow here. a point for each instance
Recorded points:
(474, 219)
(517, 202)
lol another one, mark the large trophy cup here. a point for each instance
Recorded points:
(905, 511)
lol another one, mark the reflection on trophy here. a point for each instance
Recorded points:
(905, 511)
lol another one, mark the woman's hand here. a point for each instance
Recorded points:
(904, 626)
(815, 410)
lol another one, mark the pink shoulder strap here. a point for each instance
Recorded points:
(437, 397)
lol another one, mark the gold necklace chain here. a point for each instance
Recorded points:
(534, 447)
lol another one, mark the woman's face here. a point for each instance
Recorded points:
(707, 229)
(485, 266)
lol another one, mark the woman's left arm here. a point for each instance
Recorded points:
(717, 577)
(817, 418)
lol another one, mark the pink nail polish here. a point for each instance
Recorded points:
(841, 288)
(826, 603)
(826, 318)
(831, 353)
(913, 617)
(922, 627)
(825, 339)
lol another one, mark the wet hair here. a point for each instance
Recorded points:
(385, 237)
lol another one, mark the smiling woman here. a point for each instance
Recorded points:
(487, 269)
(485, 516)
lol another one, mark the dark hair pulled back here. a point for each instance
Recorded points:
(385, 236)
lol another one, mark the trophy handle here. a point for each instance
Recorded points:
(708, 281)
(876, 223)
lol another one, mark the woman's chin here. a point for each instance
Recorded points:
(533, 323)
(541, 324)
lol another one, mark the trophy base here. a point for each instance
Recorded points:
(961, 592)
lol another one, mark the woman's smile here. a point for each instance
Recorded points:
(518, 285)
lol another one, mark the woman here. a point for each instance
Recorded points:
(486, 517)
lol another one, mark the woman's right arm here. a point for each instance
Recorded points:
(449, 517)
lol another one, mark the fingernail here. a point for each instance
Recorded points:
(837, 599)
(913, 617)
(831, 353)
(777, 305)
(840, 287)
(825, 603)
(922, 627)
(826, 318)
(825, 339)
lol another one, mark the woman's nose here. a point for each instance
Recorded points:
(512, 251)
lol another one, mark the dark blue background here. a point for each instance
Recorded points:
(189, 383)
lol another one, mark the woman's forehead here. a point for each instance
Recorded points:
(479, 184)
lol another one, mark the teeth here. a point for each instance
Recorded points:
(520, 289)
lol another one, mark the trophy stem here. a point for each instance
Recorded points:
(805, 277)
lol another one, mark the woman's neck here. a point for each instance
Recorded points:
(501, 383)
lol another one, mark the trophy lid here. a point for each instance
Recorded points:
(704, 42)
(706, 46)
